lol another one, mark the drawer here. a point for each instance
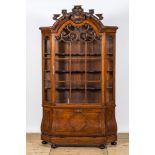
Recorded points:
(78, 122)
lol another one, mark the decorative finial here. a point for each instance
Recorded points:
(99, 16)
(55, 16)
(91, 11)
(64, 12)
(77, 6)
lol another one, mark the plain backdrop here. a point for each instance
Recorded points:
(39, 13)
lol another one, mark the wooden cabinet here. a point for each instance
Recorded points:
(78, 79)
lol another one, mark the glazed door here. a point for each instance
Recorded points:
(77, 61)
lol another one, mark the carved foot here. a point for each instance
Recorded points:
(44, 142)
(114, 143)
(53, 146)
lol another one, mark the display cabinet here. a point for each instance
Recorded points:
(78, 80)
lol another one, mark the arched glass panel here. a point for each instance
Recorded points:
(78, 65)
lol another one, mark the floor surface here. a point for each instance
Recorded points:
(34, 147)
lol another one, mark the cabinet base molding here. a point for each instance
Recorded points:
(79, 140)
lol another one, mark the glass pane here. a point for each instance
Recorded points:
(47, 70)
(78, 66)
(109, 94)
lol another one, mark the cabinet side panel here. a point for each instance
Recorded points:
(110, 69)
(111, 126)
(46, 121)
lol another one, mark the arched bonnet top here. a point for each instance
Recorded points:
(77, 17)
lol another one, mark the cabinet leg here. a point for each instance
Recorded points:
(114, 143)
(102, 146)
(44, 142)
(53, 146)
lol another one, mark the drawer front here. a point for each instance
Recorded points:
(78, 122)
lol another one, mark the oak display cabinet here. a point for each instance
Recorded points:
(78, 80)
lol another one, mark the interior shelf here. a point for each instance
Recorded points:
(64, 71)
(95, 81)
(78, 88)
(93, 89)
(76, 54)
(79, 58)
(94, 71)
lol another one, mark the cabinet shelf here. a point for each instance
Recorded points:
(95, 81)
(79, 58)
(93, 71)
(78, 88)
(61, 54)
(96, 54)
(93, 89)
(64, 71)
(62, 88)
(76, 54)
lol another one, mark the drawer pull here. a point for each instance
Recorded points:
(78, 110)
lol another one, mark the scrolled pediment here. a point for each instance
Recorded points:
(77, 16)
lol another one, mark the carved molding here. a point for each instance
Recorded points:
(83, 33)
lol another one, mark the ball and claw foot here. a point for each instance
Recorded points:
(103, 146)
(44, 142)
(113, 143)
(53, 146)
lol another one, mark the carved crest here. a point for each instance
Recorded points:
(77, 16)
